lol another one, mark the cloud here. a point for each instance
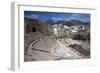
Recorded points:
(74, 16)
(81, 17)
(35, 16)
(57, 18)
(54, 18)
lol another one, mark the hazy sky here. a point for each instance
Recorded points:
(57, 16)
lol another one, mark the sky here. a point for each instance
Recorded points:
(57, 16)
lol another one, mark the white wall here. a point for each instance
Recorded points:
(5, 32)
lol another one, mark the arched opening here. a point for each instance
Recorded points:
(33, 29)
